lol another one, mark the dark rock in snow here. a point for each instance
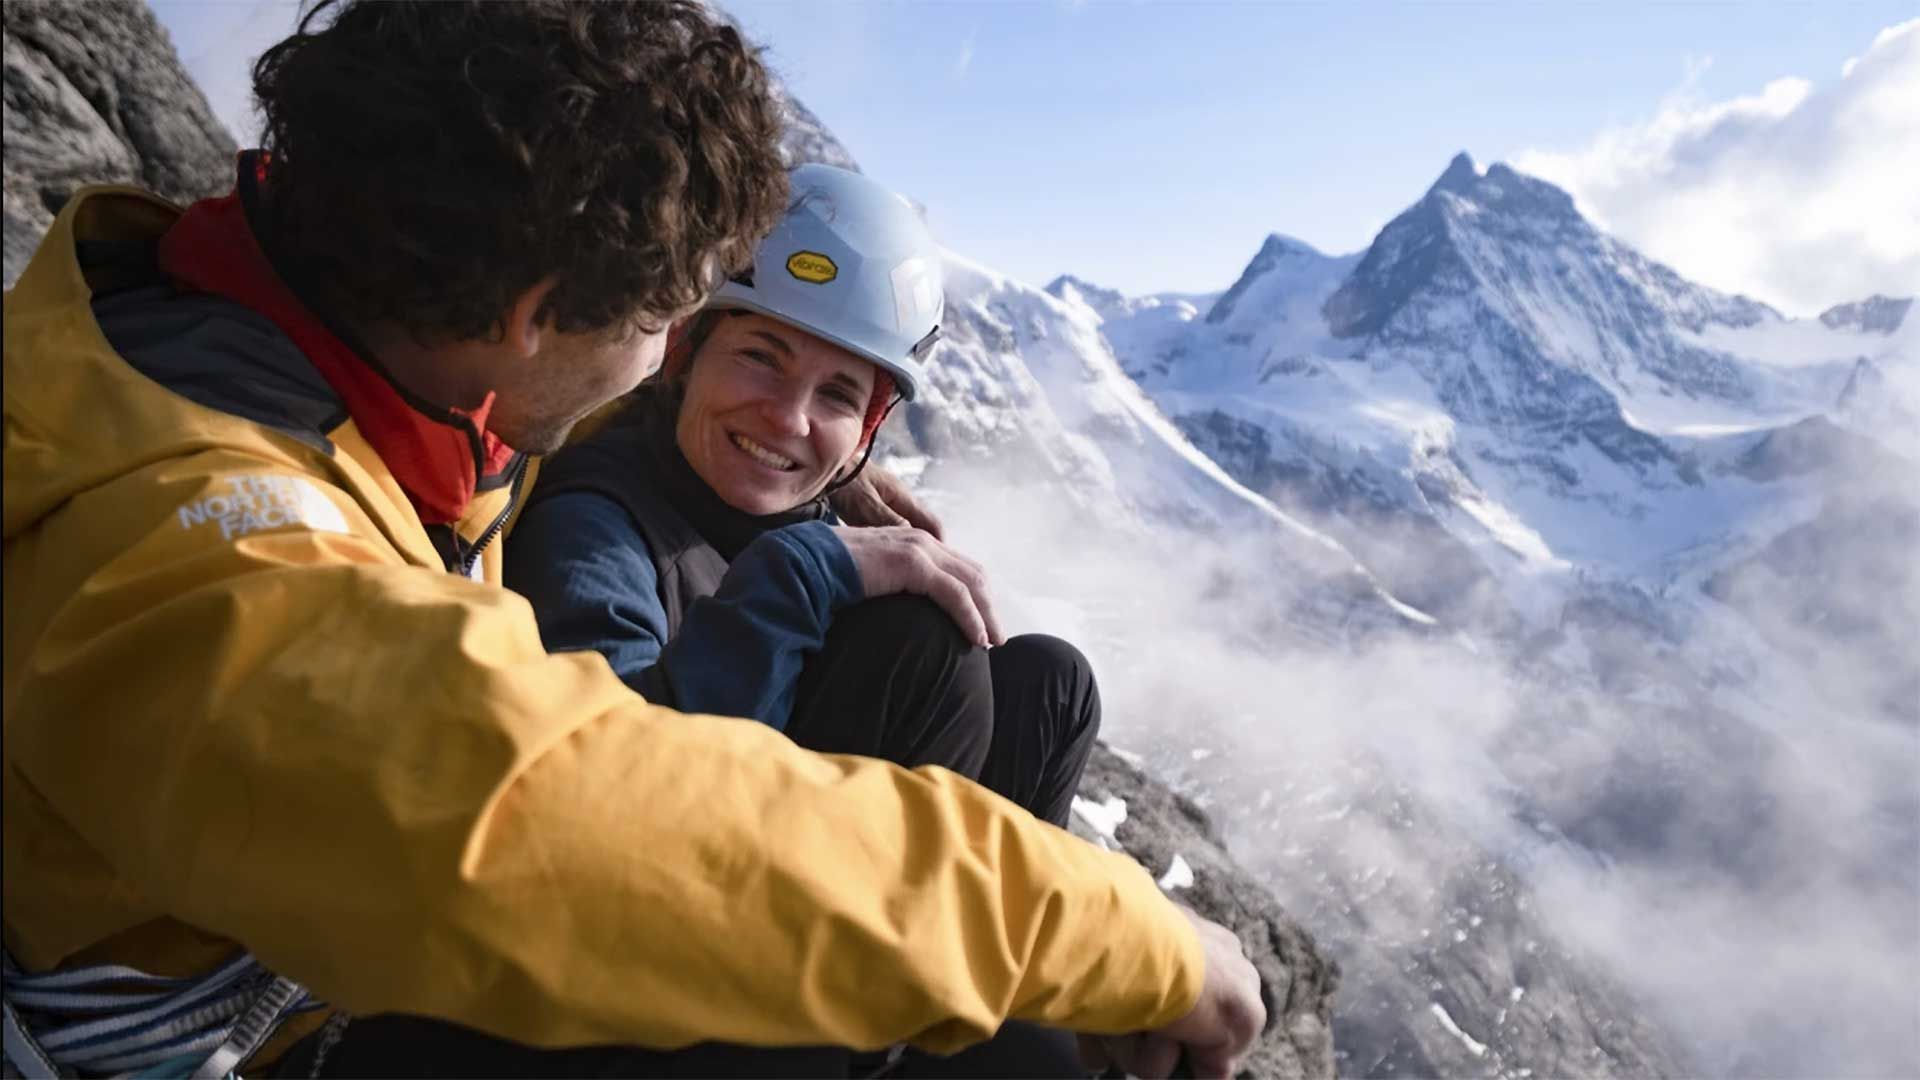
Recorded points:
(1460, 176)
(1874, 315)
(95, 94)
(1809, 446)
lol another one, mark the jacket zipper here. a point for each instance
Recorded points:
(513, 501)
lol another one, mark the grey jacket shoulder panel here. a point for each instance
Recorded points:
(222, 355)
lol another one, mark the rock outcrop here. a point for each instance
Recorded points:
(96, 94)
(1174, 839)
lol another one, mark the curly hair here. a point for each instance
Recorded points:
(428, 162)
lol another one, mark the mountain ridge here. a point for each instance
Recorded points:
(1666, 506)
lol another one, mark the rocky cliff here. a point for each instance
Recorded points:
(1173, 838)
(95, 94)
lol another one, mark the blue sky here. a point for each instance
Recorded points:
(1151, 146)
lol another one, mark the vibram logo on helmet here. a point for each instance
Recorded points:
(812, 266)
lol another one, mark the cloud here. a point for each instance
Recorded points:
(1716, 816)
(1801, 195)
(964, 62)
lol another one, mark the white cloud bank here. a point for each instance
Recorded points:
(1802, 196)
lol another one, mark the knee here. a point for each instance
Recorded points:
(1058, 665)
(940, 683)
(1048, 653)
(902, 622)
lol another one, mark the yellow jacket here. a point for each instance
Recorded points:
(245, 702)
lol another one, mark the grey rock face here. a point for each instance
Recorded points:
(1460, 177)
(1360, 502)
(1874, 315)
(1870, 401)
(1498, 996)
(1409, 252)
(96, 94)
(1297, 981)
(1811, 446)
(1448, 965)
(1476, 284)
(1506, 242)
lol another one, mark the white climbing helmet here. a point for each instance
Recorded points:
(851, 263)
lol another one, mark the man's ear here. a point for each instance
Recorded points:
(523, 327)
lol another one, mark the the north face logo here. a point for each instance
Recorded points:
(254, 503)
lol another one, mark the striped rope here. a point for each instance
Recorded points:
(106, 1018)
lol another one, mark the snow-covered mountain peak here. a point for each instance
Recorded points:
(1278, 244)
(1024, 386)
(1461, 175)
(1513, 192)
(1291, 259)
(1465, 190)
(807, 139)
(1563, 317)
(1104, 302)
(1513, 378)
(1504, 229)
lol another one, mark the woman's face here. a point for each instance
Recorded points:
(771, 413)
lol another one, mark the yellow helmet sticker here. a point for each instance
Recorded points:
(812, 266)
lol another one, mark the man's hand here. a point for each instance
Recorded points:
(877, 497)
(1213, 1037)
(903, 559)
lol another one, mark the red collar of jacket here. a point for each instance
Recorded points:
(438, 455)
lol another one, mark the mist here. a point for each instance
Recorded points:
(1716, 812)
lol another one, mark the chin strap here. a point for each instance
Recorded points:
(855, 473)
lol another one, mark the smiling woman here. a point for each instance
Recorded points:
(690, 541)
(772, 414)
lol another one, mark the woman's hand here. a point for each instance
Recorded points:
(877, 497)
(904, 559)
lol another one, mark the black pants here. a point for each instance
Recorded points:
(896, 681)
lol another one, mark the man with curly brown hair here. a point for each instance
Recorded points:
(275, 736)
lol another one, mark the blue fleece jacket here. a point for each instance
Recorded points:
(578, 558)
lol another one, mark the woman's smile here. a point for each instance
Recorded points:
(770, 458)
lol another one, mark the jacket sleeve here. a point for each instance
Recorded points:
(374, 776)
(587, 572)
